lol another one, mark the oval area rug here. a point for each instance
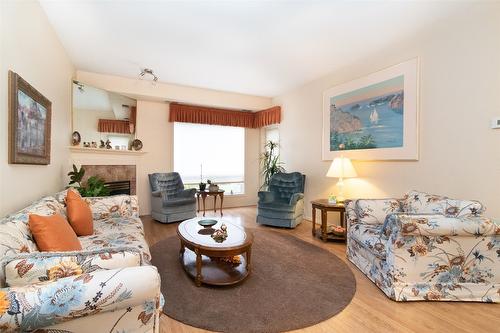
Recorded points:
(293, 284)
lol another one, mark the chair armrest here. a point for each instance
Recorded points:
(187, 193)
(28, 268)
(156, 193)
(295, 198)
(113, 206)
(43, 304)
(265, 196)
(440, 225)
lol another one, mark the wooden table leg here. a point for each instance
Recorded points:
(198, 268)
(323, 225)
(343, 223)
(221, 201)
(198, 199)
(314, 222)
(249, 259)
(203, 199)
(215, 203)
(183, 248)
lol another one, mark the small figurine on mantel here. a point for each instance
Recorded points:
(102, 145)
(108, 144)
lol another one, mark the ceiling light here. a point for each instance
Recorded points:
(148, 71)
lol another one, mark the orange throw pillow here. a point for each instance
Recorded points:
(79, 214)
(53, 233)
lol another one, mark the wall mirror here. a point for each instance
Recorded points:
(103, 115)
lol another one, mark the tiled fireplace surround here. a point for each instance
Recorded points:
(113, 173)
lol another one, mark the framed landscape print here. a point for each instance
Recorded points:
(374, 117)
(29, 123)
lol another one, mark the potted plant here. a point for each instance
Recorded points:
(95, 186)
(270, 163)
(202, 185)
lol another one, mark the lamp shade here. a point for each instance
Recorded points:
(341, 167)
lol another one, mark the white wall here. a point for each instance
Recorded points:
(459, 94)
(30, 47)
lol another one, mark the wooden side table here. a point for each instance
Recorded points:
(215, 194)
(324, 207)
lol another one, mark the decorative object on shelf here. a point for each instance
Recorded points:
(117, 147)
(336, 230)
(375, 117)
(332, 199)
(234, 260)
(341, 168)
(207, 223)
(108, 144)
(136, 145)
(76, 138)
(212, 187)
(86, 144)
(220, 235)
(270, 163)
(29, 123)
(103, 144)
(94, 187)
(93, 144)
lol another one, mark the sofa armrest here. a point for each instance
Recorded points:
(440, 225)
(28, 268)
(372, 211)
(295, 198)
(156, 194)
(43, 304)
(113, 206)
(265, 196)
(187, 193)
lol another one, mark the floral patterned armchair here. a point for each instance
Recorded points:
(426, 247)
(100, 288)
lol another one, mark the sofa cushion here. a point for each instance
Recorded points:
(370, 237)
(53, 233)
(374, 211)
(424, 203)
(79, 214)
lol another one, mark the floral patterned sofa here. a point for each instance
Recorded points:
(426, 247)
(109, 286)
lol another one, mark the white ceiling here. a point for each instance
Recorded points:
(254, 47)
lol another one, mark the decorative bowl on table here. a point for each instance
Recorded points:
(207, 223)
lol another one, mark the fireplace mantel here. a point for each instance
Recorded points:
(76, 149)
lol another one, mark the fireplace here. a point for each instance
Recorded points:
(120, 179)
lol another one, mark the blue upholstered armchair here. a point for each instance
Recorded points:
(170, 202)
(283, 204)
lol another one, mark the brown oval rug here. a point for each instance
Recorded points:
(293, 284)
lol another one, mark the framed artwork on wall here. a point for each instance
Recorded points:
(374, 117)
(29, 123)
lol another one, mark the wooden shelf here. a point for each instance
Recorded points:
(77, 149)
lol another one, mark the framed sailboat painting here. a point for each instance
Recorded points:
(374, 117)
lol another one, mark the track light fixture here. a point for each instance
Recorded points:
(148, 71)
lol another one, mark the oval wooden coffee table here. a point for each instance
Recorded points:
(201, 255)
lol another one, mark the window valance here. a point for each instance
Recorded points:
(214, 116)
(113, 126)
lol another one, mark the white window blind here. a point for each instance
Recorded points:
(219, 149)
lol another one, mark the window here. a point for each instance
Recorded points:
(220, 150)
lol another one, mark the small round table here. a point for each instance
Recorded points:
(200, 254)
(215, 194)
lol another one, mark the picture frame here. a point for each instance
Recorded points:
(374, 117)
(30, 115)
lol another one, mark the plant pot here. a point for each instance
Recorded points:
(203, 186)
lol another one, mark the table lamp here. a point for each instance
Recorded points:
(341, 168)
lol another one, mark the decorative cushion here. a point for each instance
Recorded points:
(112, 206)
(53, 233)
(424, 203)
(374, 211)
(79, 214)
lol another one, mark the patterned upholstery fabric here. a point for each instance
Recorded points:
(283, 204)
(170, 202)
(99, 287)
(421, 255)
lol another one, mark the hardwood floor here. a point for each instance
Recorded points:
(370, 310)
